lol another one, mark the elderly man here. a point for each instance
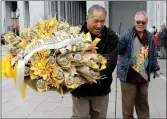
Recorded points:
(163, 41)
(91, 100)
(138, 58)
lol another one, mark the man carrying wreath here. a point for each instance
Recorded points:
(91, 100)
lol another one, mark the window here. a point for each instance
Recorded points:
(74, 12)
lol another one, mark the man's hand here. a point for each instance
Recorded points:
(97, 74)
(156, 74)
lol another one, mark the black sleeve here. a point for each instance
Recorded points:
(159, 35)
(154, 67)
(122, 42)
(112, 50)
(162, 34)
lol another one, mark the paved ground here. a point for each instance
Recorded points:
(51, 105)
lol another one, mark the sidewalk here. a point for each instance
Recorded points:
(4, 50)
(51, 105)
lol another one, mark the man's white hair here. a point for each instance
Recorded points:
(162, 24)
(96, 7)
(143, 13)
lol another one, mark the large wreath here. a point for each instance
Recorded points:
(52, 54)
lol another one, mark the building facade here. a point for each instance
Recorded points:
(120, 14)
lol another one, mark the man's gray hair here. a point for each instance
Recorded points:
(97, 8)
(143, 13)
(162, 24)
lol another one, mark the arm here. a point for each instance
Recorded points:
(112, 50)
(162, 34)
(122, 43)
(154, 67)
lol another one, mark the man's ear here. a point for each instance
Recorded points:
(87, 18)
(146, 22)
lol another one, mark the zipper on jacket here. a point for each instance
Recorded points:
(149, 69)
(129, 57)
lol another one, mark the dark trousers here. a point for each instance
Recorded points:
(135, 95)
(93, 107)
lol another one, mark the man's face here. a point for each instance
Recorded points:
(162, 26)
(95, 22)
(140, 23)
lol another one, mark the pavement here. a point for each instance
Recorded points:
(51, 105)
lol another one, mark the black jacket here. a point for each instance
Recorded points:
(163, 37)
(108, 47)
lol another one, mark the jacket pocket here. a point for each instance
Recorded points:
(121, 67)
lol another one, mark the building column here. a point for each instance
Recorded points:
(20, 5)
(156, 13)
(162, 12)
(7, 16)
(107, 10)
(102, 3)
(36, 11)
(3, 13)
(46, 9)
(152, 14)
(59, 16)
(27, 14)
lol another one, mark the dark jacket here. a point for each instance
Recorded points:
(162, 36)
(125, 48)
(108, 47)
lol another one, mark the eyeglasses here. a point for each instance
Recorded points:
(142, 22)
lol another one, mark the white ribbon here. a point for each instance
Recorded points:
(56, 45)
(20, 76)
(41, 45)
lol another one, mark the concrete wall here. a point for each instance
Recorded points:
(122, 14)
(90, 3)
